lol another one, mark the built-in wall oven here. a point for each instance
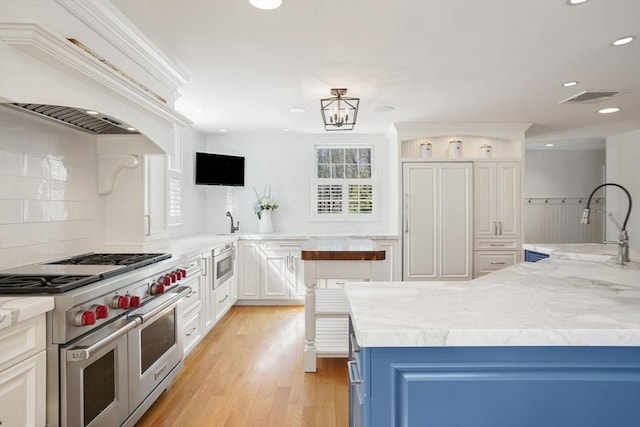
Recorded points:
(223, 264)
(107, 375)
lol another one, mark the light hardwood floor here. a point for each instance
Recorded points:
(248, 372)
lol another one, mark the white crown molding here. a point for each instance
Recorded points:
(413, 130)
(58, 52)
(106, 20)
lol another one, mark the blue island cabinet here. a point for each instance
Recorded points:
(494, 386)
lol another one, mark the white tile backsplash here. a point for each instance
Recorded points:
(49, 206)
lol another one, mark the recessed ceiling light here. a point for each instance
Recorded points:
(569, 84)
(93, 113)
(609, 110)
(286, 130)
(624, 40)
(266, 4)
(574, 2)
(548, 145)
(298, 110)
(383, 109)
(131, 129)
(222, 130)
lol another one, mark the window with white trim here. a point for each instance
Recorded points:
(344, 184)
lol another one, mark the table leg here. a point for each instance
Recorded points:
(310, 351)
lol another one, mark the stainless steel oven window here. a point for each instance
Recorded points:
(99, 386)
(157, 339)
(94, 382)
(223, 267)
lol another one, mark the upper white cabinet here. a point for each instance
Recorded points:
(437, 207)
(497, 200)
(136, 209)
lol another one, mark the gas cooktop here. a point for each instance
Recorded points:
(71, 273)
(42, 284)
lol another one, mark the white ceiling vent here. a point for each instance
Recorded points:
(590, 97)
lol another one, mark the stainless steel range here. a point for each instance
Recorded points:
(114, 337)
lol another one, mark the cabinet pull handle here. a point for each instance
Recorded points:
(406, 213)
(223, 299)
(147, 218)
(205, 268)
(354, 377)
(497, 263)
(500, 226)
(496, 244)
(495, 228)
(192, 331)
(290, 245)
(355, 348)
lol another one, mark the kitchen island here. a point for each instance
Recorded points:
(552, 343)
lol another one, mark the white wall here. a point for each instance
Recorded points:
(194, 197)
(49, 205)
(552, 175)
(623, 157)
(286, 162)
(562, 173)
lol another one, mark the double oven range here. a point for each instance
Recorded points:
(114, 338)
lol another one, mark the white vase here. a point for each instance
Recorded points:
(265, 224)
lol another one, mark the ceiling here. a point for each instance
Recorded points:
(472, 61)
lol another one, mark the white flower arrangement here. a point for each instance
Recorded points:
(264, 202)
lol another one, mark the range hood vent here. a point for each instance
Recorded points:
(590, 97)
(96, 124)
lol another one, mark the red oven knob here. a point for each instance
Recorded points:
(184, 273)
(174, 277)
(85, 318)
(157, 288)
(101, 310)
(121, 301)
(135, 301)
(166, 280)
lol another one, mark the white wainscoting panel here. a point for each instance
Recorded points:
(557, 220)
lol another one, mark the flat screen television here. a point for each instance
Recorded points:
(219, 169)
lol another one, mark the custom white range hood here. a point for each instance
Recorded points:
(85, 55)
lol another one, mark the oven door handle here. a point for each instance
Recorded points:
(164, 302)
(81, 353)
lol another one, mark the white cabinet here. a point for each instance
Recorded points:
(497, 215)
(23, 373)
(194, 307)
(282, 270)
(249, 271)
(223, 300)
(207, 285)
(270, 270)
(437, 208)
(497, 200)
(136, 209)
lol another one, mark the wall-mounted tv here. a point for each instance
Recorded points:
(219, 169)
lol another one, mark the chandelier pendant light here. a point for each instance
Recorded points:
(339, 112)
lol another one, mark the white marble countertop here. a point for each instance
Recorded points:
(18, 309)
(552, 302)
(198, 243)
(598, 252)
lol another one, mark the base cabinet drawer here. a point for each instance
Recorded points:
(223, 299)
(193, 326)
(485, 262)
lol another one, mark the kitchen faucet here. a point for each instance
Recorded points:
(236, 227)
(623, 236)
